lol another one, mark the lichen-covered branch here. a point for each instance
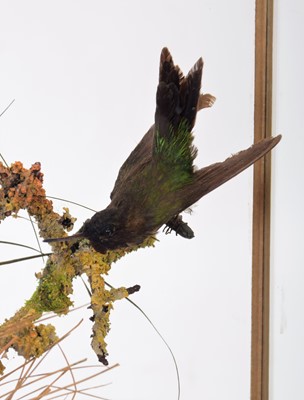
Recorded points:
(22, 188)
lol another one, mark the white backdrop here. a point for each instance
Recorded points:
(84, 76)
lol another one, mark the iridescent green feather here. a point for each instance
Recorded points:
(176, 152)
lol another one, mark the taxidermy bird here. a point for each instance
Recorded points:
(158, 180)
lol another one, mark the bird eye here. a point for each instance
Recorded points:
(109, 230)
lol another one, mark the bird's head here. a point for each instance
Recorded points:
(103, 230)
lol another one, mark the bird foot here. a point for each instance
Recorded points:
(179, 226)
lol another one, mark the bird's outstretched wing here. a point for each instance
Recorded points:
(177, 96)
(211, 177)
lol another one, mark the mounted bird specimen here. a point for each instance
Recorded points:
(158, 180)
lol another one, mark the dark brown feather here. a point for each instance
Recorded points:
(177, 96)
(209, 178)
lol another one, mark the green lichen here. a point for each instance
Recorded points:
(55, 286)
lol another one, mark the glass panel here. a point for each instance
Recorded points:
(287, 327)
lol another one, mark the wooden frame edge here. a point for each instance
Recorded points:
(261, 203)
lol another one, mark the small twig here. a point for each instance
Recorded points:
(6, 108)
(23, 259)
